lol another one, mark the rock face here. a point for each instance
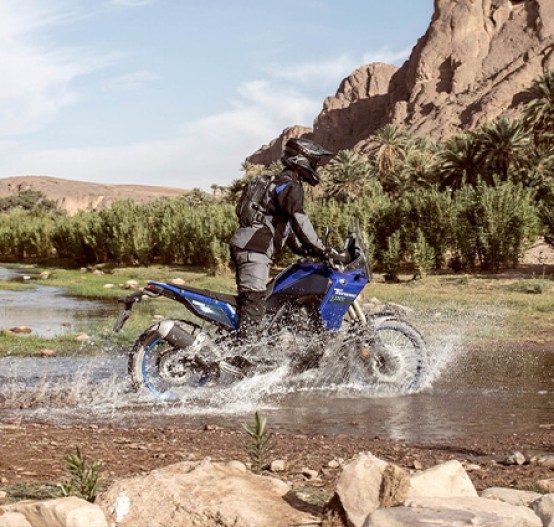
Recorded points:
(473, 65)
(73, 196)
(207, 494)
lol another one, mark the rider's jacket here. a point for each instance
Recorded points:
(285, 223)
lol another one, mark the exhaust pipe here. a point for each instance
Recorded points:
(175, 334)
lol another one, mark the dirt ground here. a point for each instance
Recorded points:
(32, 453)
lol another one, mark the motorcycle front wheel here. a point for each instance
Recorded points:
(392, 357)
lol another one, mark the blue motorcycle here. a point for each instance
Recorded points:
(311, 300)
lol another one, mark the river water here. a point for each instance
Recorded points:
(47, 310)
(502, 391)
(466, 392)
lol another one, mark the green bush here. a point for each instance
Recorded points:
(494, 225)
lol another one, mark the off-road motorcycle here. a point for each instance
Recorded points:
(315, 300)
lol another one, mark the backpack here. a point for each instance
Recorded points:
(254, 201)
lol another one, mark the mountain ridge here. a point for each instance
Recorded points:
(473, 64)
(73, 196)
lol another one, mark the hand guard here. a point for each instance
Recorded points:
(335, 256)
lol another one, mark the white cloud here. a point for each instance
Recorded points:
(36, 80)
(325, 72)
(208, 150)
(130, 81)
(331, 71)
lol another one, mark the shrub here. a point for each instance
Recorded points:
(494, 225)
(257, 443)
(423, 255)
(83, 476)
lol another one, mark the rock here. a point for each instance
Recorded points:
(21, 330)
(238, 465)
(544, 509)
(472, 467)
(26, 277)
(546, 460)
(13, 519)
(511, 496)
(365, 484)
(546, 485)
(200, 494)
(176, 281)
(417, 465)
(108, 286)
(446, 480)
(398, 308)
(517, 458)
(46, 353)
(45, 275)
(333, 463)
(3, 496)
(211, 428)
(130, 284)
(157, 318)
(70, 512)
(83, 337)
(83, 270)
(97, 272)
(450, 512)
(310, 474)
(279, 465)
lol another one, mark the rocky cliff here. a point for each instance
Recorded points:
(73, 196)
(473, 65)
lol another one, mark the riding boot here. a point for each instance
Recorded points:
(251, 311)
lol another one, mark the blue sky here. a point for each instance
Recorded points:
(177, 92)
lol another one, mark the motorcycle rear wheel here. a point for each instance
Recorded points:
(157, 366)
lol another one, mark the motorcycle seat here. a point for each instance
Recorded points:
(222, 297)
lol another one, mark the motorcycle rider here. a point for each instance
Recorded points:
(283, 223)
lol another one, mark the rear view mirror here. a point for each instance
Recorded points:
(326, 237)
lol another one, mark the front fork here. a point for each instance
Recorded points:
(355, 313)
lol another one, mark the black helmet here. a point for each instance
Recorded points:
(304, 155)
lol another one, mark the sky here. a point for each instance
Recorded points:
(177, 92)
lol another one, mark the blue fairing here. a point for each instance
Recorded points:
(205, 307)
(338, 295)
(343, 289)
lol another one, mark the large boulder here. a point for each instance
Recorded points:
(447, 480)
(544, 509)
(193, 494)
(449, 512)
(63, 512)
(365, 484)
(13, 519)
(512, 496)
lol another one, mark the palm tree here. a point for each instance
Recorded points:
(458, 161)
(387, 148)
(419, 169)
(503, 145)
(538, 114)
(346, 177)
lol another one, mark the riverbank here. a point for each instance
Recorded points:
(513, 307)
(32, 455)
